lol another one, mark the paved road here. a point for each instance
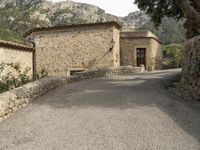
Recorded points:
(117, 113)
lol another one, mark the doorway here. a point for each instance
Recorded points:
(141, 56)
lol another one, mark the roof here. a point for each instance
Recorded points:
(113, 23)
(15, 46)
(139, 34)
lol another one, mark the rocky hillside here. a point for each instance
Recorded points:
(135, 20)
(18, 16)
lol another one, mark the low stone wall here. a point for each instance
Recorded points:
(190, 82)
(102, 72)
(17, 98)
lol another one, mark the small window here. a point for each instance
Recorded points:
(73, 72)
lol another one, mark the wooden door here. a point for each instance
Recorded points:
(141, 56)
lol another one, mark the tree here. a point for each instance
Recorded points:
(169, 31)
(158, 9)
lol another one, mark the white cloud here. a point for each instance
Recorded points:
(115, 7)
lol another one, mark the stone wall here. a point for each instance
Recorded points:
(191, 68)
(156, 54)
(139, 33)
(116, 49)
(129, 45)
(11, 101)
(77, 48)
(15, 53)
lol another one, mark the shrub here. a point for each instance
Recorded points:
(42, 74)
(172, 56)
(12, 76)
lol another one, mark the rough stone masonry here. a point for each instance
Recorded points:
(64, 49)
(191, 68)
(76, 47)
(16, 53)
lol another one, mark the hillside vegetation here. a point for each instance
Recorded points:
(18, 16)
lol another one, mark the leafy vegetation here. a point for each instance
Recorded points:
(8, 35)
(22, 15)
(42, 73)
(12, 76)
(158, 9)
(172, 56)
(169, 31)
(189, 9)
(15, 19)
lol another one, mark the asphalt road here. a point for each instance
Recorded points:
(133, 112)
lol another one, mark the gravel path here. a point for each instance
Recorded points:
(130, 112)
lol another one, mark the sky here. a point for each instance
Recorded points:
(115, 7)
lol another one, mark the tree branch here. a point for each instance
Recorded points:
(197, 5)
(192, 14)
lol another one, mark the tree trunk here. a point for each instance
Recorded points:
(197, 4)
(191, 11)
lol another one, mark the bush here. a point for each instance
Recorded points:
(12, 76)
(42, 74)
(172, 56)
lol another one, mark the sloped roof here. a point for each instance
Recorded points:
(139, 34)
(113, 23)
(15, 46)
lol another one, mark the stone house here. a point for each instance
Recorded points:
(62, 50)
(140, 47)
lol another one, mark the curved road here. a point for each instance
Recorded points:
(132, 112)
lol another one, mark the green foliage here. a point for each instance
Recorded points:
(61, 17)
(165, 21)
(16, 19)
(172, 55)
(12, 76)
(169, 31)
(158, 9)
(189, 9)
(8, 35)
(42, 74)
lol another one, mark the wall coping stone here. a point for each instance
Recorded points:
(17, 46)
(142, 37)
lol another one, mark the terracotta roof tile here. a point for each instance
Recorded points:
(15, 46)
(117, 25)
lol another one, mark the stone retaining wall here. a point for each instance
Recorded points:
(191, 68)
(17, 98)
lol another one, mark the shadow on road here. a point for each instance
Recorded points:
(127, 92)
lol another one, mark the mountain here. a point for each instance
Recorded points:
(135, 20)
(18, 16)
